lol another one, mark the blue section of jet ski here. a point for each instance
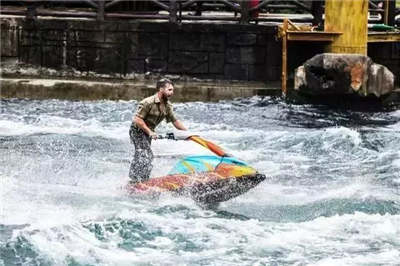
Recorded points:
(202, 163)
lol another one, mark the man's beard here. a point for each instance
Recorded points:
(165, 97)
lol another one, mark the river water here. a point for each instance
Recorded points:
(331, 197)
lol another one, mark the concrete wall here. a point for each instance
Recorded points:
(203, 50)
(198, 50)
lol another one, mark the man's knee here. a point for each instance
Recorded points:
(146, 155)
(138, 173)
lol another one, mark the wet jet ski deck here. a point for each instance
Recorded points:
(206, 179)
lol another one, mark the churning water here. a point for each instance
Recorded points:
(332, 194)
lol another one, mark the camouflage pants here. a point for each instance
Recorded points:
(141, 164)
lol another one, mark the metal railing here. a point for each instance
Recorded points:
(176, 11)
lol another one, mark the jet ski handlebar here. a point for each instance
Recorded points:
(179, 136)
(185, 135)
(167, 136)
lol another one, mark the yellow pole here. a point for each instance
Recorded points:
(351, 18)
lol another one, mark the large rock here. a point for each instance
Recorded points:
(327, 74)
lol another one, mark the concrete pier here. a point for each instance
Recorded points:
(33, 88)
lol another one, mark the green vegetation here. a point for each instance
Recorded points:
(397, 3)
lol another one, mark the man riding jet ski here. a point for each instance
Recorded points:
(205, 178)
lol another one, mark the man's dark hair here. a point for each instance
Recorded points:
(162, 82)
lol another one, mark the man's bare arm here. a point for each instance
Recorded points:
(140, 122)
(178, 125)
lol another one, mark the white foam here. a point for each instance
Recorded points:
(57, 125)
(345, 134)
(58, 195)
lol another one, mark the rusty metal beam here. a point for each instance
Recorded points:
(284, 57)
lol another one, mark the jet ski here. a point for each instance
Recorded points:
(207, 179)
